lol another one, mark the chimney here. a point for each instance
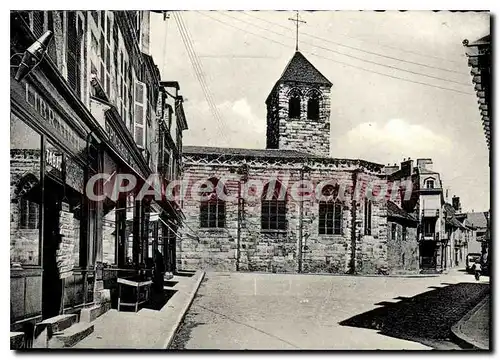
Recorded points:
(407, 167)
(455, 201)
(424, 164)
(391, 169)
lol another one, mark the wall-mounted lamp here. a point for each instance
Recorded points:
(32, 57)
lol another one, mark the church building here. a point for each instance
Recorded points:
(291, 207)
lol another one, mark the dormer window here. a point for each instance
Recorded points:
(430, 184)
(313, 107)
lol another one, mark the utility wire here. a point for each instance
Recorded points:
(196, 64)
(356, 48)
(203, 78)
(349, 55)
(198, 70)
(400, 49)
(336, 61)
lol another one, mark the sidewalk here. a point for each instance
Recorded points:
(146, 329)
(474, 328)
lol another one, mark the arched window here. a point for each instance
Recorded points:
(273, 214)
(313, 106)
(212, 209)
(330, 212)
(294, 105)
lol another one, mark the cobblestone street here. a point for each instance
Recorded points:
(275, 311)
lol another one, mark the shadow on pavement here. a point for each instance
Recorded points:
(426, 317)
(159, 299)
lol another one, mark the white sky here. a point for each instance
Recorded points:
(373, 117)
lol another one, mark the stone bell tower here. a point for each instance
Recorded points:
(298, 109)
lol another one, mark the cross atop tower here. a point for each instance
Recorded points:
(297, 21)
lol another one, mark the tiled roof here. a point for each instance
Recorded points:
(395, 211)
(452, 221)
(274, 153)
(301, 70)
(479, 61)
(449, 210)
(477, 219)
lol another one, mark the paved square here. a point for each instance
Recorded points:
(289, 311)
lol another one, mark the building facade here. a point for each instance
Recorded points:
(93, 105)
(248, 215)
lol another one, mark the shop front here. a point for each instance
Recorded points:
(53, 225)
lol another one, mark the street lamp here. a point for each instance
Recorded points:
(32, 57)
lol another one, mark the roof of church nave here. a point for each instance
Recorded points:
(271, 153)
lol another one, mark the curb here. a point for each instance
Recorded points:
(183, 312)
(339, 275)
(462, 339)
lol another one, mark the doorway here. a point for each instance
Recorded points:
(428, 255)
(51, 284)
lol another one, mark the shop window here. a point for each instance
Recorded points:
(368, 217)
(29, 214)
(25, 205)
(273, 207)
(294, 105)
(213, 209)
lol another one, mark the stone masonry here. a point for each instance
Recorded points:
(278, 251)
(301, 133)
(298, 149)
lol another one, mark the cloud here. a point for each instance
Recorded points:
(239, 126)
(392, 141)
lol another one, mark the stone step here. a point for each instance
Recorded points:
(16, 340)
(102, 296)
(90, 314)
(44, 330)
(71, 336)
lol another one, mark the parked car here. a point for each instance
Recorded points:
(470, 261)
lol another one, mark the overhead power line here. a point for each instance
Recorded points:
(351, 56)
(357, 48)
(334, 60)
(198, 71)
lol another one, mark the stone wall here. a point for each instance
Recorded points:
(402, 255)
(278, 251)
(24, 169)
(302, 134)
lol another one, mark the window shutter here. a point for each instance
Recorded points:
(52, 45)
(38, 23)
(95, 16)
(73, 51)
(140, 102)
